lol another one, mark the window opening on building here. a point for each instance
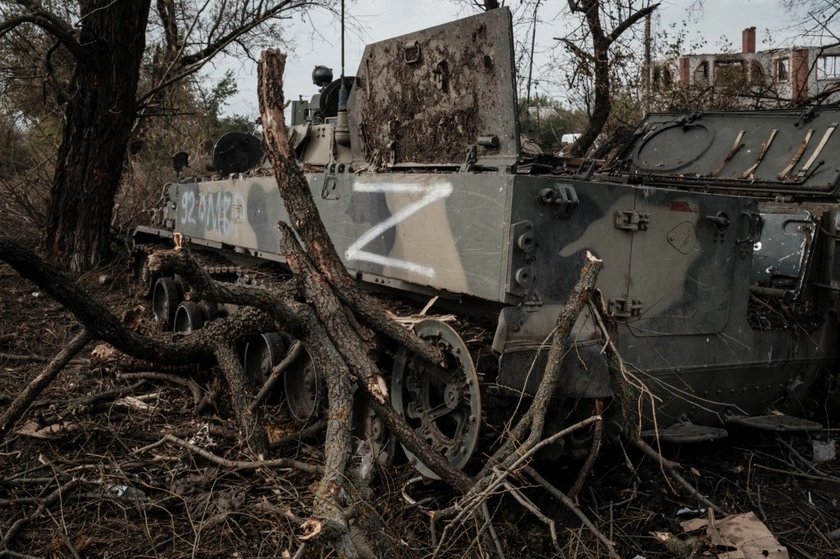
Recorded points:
(701, 73)
(828, 67)
(756, 72)
(783, 69)
(729, 72)
(662, 77)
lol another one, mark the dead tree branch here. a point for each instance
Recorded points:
(236, 464)
(325, 282)
(56, 496)
(671, 469)
(593, 454)
(529, 429)
(37, 358)
(97, 320)
(560, 496)
(293, 354)
(197, 394)
(304, 217)
(23, 400)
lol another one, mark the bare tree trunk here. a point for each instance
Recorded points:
(98, 119)
(600, 61)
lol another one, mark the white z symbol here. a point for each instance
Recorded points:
(433, 193)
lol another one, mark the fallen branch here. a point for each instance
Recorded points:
(529, 429)
(100, 398)
(493, 482)
(306, 433)
(524, 439)
(235, 464)
(276, 372)
(798, 474)
(28, 395)
(670, 468)
(38, 359)
(650, 451)
(16, 555)
(528, 504)
(249, 427)
(807, 463)
(97, 320)
(494, 538)
(593, 453)
(560, 496)
(197, 394)
(56, 496)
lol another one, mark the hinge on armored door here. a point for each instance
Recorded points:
(329, 191)
(631, 220)
(624, 308)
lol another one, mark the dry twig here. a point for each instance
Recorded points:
(670, 468)
(560, 496)
(57, 495)
(294, 352)
(23, 400)
(236, 464)
(175, 379)
(39, 359)
(593, 453)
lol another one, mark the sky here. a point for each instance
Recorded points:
(316, 38)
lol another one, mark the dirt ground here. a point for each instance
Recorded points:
(81, 475)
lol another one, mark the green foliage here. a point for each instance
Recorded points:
(218, 95)
(213, 100)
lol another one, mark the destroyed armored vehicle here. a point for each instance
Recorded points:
(718, 233)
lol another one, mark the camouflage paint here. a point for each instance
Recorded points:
(696, 217)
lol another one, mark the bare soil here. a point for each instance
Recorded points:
(114, 497)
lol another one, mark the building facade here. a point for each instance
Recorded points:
(765, 79)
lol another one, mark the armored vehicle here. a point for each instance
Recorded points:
(718, 233)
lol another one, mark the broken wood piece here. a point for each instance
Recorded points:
(239, 464)
(23, 400)
(183, 381)
(736, 147)
(803, 173)
(678, 548)
(748, 174)
(797, 156)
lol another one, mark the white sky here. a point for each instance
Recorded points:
(720, 21)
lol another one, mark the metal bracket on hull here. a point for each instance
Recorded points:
(631, 220)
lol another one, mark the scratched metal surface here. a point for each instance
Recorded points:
(446, 232)
(795, 150)
(424, 97)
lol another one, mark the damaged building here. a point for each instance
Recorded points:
(761, 79)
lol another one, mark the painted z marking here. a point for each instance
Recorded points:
(433, 193)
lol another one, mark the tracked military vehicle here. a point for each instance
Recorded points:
(718, 232)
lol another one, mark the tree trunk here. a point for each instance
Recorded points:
(601, 69)
(600, 59)
(98, 118)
